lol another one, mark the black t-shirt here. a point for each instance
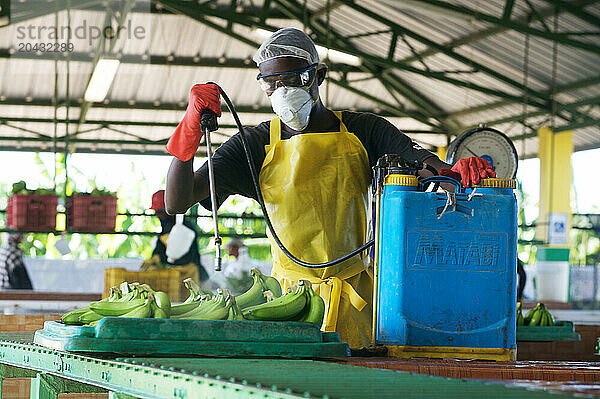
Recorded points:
(232, 174)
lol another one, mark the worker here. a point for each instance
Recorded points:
(13, 273)
(315, 171)
(233, 247)
(522, 279)
(159, 258)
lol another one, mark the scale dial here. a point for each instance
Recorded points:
(489, 144)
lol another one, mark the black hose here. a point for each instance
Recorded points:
(262, 202)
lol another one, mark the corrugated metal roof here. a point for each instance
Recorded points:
(176, 36)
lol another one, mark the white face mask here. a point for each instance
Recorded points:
(292, 105)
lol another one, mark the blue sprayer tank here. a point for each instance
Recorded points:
(446, 283)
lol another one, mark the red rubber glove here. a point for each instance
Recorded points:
(186, 139)
(469, 171)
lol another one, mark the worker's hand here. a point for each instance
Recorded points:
(469, 171)
(184, 142)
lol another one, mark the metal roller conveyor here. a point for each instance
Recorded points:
(55, 372)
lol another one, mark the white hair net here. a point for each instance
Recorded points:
(287, 42)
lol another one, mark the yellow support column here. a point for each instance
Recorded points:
(441, 153)
(554, 221)
(555, 183)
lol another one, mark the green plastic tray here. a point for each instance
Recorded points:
(194, 337)
(561, 331)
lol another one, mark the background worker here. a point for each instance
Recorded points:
(522, 280)
(13, 274)
(315, 171)
(233, 247)
(159, 258)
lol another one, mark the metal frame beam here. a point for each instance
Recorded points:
(179, 106)
(107, 123)
(579, 12)
(508, 6)
(560, 89)
(525, 29)
(195, 11)
(200, 11)
(18, 15)
(98, 5)
(166, 60)
(120, 15)
(480, 35)
(4, 119)
(537, 99)
(563, 107)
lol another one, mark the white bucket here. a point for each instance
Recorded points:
(552, 281)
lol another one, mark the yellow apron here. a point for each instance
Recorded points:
(315, 189)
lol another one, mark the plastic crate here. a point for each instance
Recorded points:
(561, 331)
(166, 280)
(31, 212)
(215, 338)
(89, 213)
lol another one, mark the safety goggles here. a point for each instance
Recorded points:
(268, 83)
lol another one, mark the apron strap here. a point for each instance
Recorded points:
(275, 128)
(343, 127)
(331, 290)
(274, 131)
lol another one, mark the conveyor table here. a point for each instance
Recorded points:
(56, 372)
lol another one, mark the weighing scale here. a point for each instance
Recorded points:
(489, 144)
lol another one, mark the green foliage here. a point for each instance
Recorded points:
(524, 233)
(585, 247)
(131, 199)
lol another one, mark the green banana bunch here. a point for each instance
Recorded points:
(72, 317)
(316, 307)
(254, 295)
(114, 294)
(161, 306)
(116, 308)
(550, 318)
(536, 316)
(283, 308)
(195, 291)
(546, 318)
(235, 313)
(142, 311)
(215, 308)
(269, 296)
(131, 295)
(529, 315)
(520, 318)
(183, 308)
(269, 283)
(196, 297)
(89, 317)
(539, 316)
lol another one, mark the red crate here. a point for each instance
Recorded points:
(90, 213)
(31, 212)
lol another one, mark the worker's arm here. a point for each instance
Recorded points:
(184, 187)
(436, 163)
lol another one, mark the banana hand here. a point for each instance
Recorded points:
(282, 308)
(73, 316)
(254, 295)
(316, 310)
(116, 308)
(536, 317)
